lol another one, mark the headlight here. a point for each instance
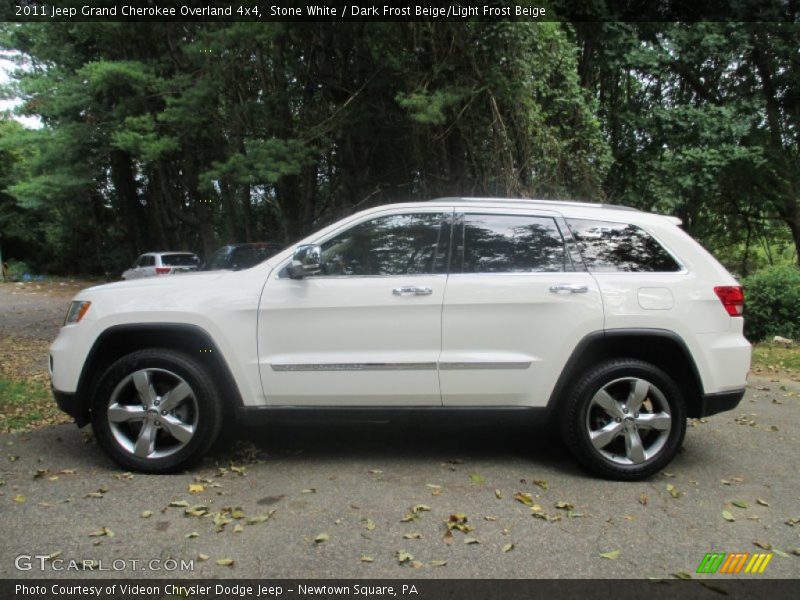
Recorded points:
(77, 309)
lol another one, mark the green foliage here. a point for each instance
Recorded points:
(16, 270)
(772, 303)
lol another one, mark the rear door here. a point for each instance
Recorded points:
(518, 300)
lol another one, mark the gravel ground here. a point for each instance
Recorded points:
(376, 490)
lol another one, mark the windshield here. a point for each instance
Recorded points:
(241, 257)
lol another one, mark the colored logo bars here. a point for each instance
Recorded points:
(735, 562)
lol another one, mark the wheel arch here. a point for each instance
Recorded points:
(120, 340)
(660, 347)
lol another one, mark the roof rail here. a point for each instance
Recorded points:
(535, 201)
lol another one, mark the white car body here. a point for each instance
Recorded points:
(477, 340)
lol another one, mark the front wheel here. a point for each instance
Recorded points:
(624, 419)
(156, 411)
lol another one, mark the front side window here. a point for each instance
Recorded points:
(406, 244)
(512, 244)
(620, 247)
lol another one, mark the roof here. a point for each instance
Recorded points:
(576, 203)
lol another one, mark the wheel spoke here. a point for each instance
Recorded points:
(119, 413)
(633, 446)
(175, 396)
(660, 421)
(603, 437)
(146, 442)
(637, 395)
(608, 404)
(181, 431)
(141, 379)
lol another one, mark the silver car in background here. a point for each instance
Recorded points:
(162, 263)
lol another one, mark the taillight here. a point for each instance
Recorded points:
(163, 270)
(732, 298)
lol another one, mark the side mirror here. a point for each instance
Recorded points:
(307, 260)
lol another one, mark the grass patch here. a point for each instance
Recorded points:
(773, 358)
(26, 405)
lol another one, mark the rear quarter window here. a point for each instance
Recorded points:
(609, 247)
(179, 260)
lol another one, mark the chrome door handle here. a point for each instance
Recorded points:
(410, 290)
(571, 288)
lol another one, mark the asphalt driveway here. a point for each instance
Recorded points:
(375, 500)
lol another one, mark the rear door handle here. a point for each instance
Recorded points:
(568, 288)
(410, 290)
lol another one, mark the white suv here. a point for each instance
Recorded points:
(612, 321)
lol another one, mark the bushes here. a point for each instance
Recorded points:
(16, 270)
(772, 303)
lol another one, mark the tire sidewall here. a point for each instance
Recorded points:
(208, 407)
(576, 433)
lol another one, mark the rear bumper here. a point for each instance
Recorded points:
(711, 404)
(73, 405)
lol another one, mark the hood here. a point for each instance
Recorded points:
(180, 280)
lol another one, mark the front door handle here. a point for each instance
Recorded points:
(568, 288)
(410, 290)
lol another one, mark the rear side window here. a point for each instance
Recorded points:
(620, 247)
(148, 261)
(179, 260)
(512, 244)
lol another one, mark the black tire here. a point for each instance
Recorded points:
(584, 415)
(196, 419)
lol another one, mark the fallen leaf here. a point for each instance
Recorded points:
(238, 528)
(726, 514)
(498, 494)
(477, 478)
(366, 559)
(471, 540)
(322, 537)
(673, 491)
(19, 499)
(202, 557)
(524, 497)
(369, 524)
(146, 514)
(739, 503)
(762, 544)
(541, 483)
(612, 555)
(40, 473)
(415, 564)
(260, 518)
(237, 513)
(459, 521)
(374, 471)
(780, 553)
(239, 471)
(196, 488)
(437, 563)
(762, 502)
(179, 504)
(508, 548)
(417, 508)
(413, 536)
(564, 505)
(103, 531)
(225, 562)
(403, 556)
(192, 535)
(309, 491)
(448, 537)
(643, 499)
(53, 555)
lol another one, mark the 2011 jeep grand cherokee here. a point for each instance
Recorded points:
(613, 321)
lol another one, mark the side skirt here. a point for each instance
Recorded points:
(255, 415)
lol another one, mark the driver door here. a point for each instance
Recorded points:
(365, 331)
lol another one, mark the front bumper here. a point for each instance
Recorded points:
(711, 404)
(72, 404)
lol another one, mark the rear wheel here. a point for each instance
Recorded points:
(156, 411)
(624, 419)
